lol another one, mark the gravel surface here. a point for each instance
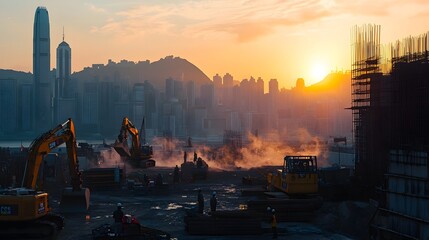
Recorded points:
(166, 210)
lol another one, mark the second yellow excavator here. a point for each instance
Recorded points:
(297, 177)
(24, 211)
(139, 155)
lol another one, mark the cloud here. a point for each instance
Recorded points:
(243, 20)
(93, 8)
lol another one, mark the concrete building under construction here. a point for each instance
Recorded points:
(390, 105)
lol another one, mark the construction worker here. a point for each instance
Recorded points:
(159, 180)
(145, 180)
(118, 214)
(200, 201)
(274, 223)
(213, 202)
(189, 142)
(176, 174)
(199, 162)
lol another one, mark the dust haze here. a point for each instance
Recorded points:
(257, 151)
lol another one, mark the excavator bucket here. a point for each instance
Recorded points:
(122, 149)
(74, 202)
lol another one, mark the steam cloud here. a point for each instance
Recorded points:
(259, 151)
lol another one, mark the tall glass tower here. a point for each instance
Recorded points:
(63, 68)
(41, 70)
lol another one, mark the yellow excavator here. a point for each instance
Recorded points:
(293, 190)
(140, 155)
(24, 211)
(297, 177)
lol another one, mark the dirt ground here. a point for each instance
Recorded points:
(166, 210)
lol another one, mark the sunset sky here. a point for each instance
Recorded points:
(265, 38)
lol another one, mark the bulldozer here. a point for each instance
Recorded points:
(139, 155)
(24, 211)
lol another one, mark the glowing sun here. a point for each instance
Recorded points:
(318, 72)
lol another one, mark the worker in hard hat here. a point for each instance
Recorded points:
(274, 223)
(213, 202)
(118, 214)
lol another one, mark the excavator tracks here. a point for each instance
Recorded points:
(45, 228)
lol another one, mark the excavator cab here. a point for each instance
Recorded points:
(298, 176)
(147, 150)
(139, 155)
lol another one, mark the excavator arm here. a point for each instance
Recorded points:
(25, 211)
(63, 133)
(139, 156)
(128, 127)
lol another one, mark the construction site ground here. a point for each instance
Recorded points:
(165, 209)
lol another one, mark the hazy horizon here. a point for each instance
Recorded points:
(278, 39)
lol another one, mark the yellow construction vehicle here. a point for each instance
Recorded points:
(296, 184)
(24, 211)
(140, 155)
(297, 177)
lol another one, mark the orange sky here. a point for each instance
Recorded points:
(283, 39)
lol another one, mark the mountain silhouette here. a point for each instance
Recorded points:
(333, 83)
(156, 72)
(12, 74)
(335, 86)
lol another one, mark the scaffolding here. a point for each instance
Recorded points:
(410, 49)
(365, 54)
(410, 86)
(390, 116)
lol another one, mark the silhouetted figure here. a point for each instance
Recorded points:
(213, 202)
(195, 157)
(189, 142)
(176, 174)
(159, 180)
(274, 223)
(200, 202)
(199, 162)
(145, 180)
(185, 156)
(118, 214)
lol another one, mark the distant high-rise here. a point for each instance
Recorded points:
(63, 67)
(273, 86)
(217, 84)
(41, 69)
(8, 105)
(217, 80)
(228, 83)
(207, 96)
(169, 89)
(190, 94)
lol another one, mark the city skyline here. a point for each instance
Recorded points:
(282, 40)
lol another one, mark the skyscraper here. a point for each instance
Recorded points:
(63, 68)
(217, 84)
(41, 68)
(273, 86)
